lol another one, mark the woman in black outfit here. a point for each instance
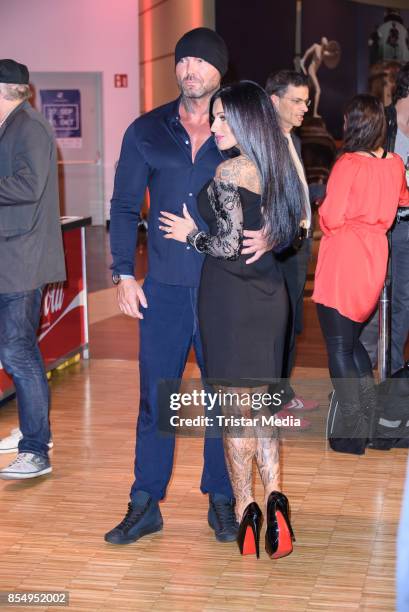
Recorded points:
(243, 308)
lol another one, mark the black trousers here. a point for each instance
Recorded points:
(294, 267)
(348, 360)
(400, 302)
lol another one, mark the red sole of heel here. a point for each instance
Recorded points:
(249, 544)
(285, 543)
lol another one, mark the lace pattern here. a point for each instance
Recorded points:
(225, 201)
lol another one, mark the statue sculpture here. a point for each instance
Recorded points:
(326, 51)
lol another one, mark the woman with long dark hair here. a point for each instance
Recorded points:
(243, 308)
(364, 190)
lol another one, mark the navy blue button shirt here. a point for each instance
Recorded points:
(156, 153)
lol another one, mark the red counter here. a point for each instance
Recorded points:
(63, 330)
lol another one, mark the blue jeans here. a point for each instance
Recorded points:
(21, 358)
(167, 332)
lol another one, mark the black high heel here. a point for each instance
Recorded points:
(279, 533)
(248, 537)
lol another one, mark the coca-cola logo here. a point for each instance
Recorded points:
(53, 298)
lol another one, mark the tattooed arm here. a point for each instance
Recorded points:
(224, 198)
(246, 175)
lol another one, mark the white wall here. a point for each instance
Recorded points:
(81, 35)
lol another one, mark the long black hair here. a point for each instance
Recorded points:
(251, 116)
(365, 124)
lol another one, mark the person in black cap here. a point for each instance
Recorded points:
(171, 152)
(31, 256)
(13, 72)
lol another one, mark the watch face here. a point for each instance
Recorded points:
(116, 278)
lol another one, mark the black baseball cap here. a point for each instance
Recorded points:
(13, 72)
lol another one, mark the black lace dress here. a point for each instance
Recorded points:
(243, 308)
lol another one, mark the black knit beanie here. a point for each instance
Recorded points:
(206, 44)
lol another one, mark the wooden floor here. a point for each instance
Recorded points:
(345, 508)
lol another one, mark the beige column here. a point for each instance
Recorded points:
(161, 24)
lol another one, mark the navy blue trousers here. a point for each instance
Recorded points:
(167, 332)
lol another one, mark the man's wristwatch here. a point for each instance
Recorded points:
(116, 278)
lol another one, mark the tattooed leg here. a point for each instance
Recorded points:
(268, 458)
(268, 463)
(239, 448)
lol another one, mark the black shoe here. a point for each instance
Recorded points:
(143, 517)
(347, 427)
(355, 436)
(221, 517)
(279, 532)
(369, 401)
(351, 446)
(248, 537)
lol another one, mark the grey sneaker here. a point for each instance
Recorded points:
(10, 443)
(26, 465)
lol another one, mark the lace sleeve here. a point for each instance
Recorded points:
(225, 201)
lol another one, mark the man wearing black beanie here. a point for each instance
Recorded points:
(171, 152)
(204, 44)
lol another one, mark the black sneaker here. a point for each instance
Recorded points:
(143, 517)
(221, 517)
